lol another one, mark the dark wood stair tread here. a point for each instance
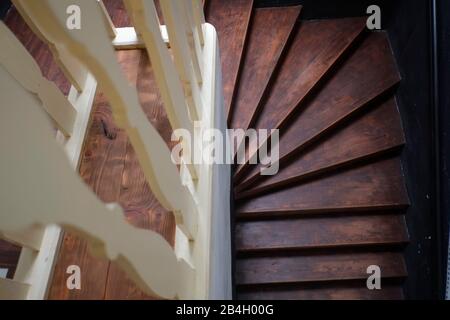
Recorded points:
(317, 267)
(231, 19)
(320, 232)
(315, 49)
(372, 133)
(323, 292)
(368, 73)
(267, 37)
(369, 186)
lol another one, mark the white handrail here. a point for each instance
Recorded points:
(174, 17)
(16, 59)
(145, 19)
(75, 72)
(92, 46)
(199, 265)
(69, 202)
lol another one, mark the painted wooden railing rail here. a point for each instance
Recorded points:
(55, 194)
(19, 63)
(91, 45)
(190, 86)
(74, 71)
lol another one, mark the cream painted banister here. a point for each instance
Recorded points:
(13, 290)
(75, 72)
(199, 19)
(92, 46)
(194, 42)
(49, 191)
(145, 19)
(109, 23)
(21, 65)
(175, 19)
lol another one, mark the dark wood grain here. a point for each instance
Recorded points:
(268, 36)
(317, 267)
(376, 185)
(365, 75)
(373, 133)
(111, 168)
(319, 291)
(321, 232)
(231, 19)
(316, 48)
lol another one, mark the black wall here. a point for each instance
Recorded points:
(4, 6)
(426, 117)
(443, 75)
(408, 23)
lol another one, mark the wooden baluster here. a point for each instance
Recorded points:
(199, 19)
(13, 290)
(174, 17)
(31, 238)
(109, 23)
(20, 64)
(91, 44)
(74, 71)
(194, 42)
(145, 19)
(49, 191)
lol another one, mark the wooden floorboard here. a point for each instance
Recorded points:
(110, 166)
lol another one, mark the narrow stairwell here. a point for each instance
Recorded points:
(338, 202)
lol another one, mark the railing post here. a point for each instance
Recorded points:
(92, 46)
(194, 43)
(109, 23)
(174, 17)
(145, 19)
(49, 191)
(199, 19)
(13, 290)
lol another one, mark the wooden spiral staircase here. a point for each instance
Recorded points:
(337, 204)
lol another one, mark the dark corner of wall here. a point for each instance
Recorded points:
(4, 7)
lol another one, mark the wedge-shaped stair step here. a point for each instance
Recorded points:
(323, 292)
(231, 19)
(368, 73)
(317, 267)
(321, 232)
(315, 49)
(370, 186)
(268, 36)
(377, 131)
